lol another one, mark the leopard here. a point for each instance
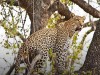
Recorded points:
(45, 39)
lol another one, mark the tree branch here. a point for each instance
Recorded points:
(87, 8)
(21, 36)
(62, 9)
(38, 57)
(11, 69)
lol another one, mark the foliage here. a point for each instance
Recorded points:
(53, 20)
(76, 51)
(66, 2)
(52, 57)
(13, 25)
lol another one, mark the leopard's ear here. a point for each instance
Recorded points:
(82, 20)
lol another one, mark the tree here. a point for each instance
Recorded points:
(92, 62)
(42, 14)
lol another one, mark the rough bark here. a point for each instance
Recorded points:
(37, 11)
(92, 62)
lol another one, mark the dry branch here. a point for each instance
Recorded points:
(11, 69)
(87, 8)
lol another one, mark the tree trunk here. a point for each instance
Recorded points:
(37, 11)
(92, 62)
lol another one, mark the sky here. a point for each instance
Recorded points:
(8, 53)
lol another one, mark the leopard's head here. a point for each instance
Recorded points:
(79, 21)
(74, 24)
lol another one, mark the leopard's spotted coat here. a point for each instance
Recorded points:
(43, 40)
